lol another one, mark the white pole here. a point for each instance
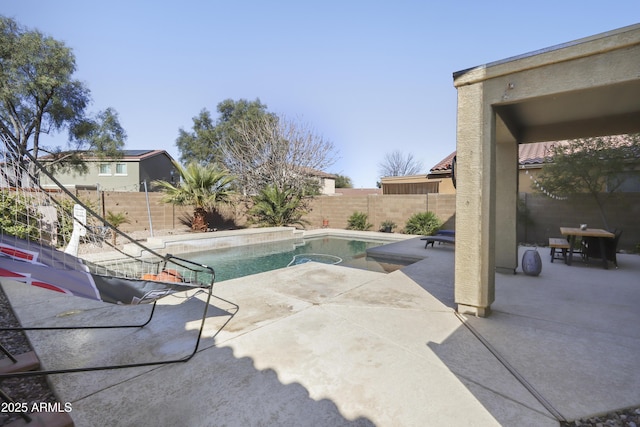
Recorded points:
(146, 193)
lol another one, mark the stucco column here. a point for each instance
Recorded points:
(506, 184)
(475, 203)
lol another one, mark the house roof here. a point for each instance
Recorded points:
(528, 154)
(130, 155)
(358, 191)
(318, 173)
(404, 178)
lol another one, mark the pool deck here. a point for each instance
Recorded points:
(324, 345)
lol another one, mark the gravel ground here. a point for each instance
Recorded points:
(20, 390)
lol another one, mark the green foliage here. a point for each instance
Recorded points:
(205, 143)
(38, 93)
(358, 221)
(116, 219)
(102, 137)
(273, 207)
(18, 218)
(343, 181)
(595, 166)
(65, 218)
(387, 226)
(423, 223)
(203, 186)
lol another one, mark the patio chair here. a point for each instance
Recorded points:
(591, 247)
(43, 271)
(430, 240)
(31, 253)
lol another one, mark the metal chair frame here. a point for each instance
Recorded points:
(120, 366)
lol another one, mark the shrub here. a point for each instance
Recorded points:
(358, 221)
(278, 208)
(387, 226)
(423, 223)
(18, 217)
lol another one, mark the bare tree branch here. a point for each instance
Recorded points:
(280, 152)
(397, 164)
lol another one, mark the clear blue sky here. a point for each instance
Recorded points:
(370, 76)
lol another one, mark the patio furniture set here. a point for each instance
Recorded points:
(593, 243)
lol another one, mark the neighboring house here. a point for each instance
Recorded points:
(128, 173)
(409, 184)
(326, 181)
(531, 158)
(358, 191)
(437, 181)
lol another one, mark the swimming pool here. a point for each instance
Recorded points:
(239, 261)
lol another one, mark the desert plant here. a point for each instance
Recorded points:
(387, 226)
(203, 186)
(273, 207)
(116, 220)
(358, 221)
(423, 223)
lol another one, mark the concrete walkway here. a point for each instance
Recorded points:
(320, 345)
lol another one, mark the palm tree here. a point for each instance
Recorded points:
(203, 186)
(116, 220)
(277, 208)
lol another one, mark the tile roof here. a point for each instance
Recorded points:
(444, 164)
(528, 154)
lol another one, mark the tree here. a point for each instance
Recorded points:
(398, 164)
(38, 94)
(116, 219)
(273, 207)
(37, 91)
(204, 144)
(102, 137)
(597, 166)
(203, 186)
(277, 151)
(343, 181)
(200, 145)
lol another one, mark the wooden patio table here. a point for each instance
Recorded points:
(599, 233)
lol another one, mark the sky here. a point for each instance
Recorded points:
(369, 76)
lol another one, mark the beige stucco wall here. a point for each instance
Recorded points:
(156, 167)
(110, 182)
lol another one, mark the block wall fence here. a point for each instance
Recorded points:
(540, 216)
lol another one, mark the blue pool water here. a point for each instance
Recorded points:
(242, 261)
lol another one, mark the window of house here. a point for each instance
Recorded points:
(121, 168)
(104, 169)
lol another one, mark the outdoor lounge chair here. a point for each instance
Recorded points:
(441, 236)
(123, 277)
(20, 264)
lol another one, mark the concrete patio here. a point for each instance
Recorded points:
(323, 345)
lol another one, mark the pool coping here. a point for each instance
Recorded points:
(178, 244)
